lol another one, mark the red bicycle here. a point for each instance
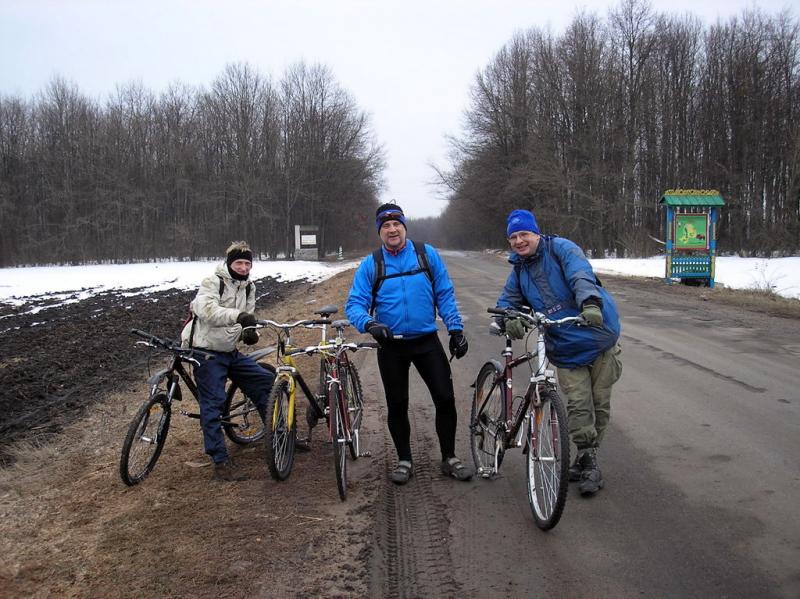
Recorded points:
(535, 420)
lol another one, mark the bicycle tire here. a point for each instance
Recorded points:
(279, 436)
(355, 407)
(240, 418)
(338, 440)
(548, 460)
(145, 439)
(485, 422)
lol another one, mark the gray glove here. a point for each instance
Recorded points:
(592, 314)
(517, 328)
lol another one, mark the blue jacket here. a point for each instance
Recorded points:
(404, 304)
(556, 281)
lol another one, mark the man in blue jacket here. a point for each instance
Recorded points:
(395, 295)
(551, 275)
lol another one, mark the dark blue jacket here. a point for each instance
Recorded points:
(404, 304)
(556, 281)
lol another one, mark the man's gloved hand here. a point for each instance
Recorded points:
(592, 314)
(249, 335)
(516, 328)
(379, 331)
(246, 319)
(458, 344)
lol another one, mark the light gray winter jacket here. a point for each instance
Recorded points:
(214, 321)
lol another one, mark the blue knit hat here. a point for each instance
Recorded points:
(389, 212)
(521, 220)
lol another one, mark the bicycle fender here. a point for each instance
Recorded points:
(498, 367)
(158, 377)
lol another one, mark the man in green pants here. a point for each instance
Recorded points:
(551, 275)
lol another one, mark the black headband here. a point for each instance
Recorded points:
(234, 255)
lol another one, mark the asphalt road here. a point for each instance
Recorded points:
(701, 464)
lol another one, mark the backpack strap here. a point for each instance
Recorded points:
(381, 276)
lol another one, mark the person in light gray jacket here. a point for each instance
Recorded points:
(223, 315)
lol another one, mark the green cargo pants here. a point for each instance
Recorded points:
(588, 390)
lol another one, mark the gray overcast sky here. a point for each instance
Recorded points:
(408, 63)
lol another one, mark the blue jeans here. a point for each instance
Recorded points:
(211, 376)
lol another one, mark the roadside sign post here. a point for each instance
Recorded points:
(691, 234)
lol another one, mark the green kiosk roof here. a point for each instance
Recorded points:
(692, 197)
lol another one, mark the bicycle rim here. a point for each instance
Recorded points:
(485, 418)
(279, 435)
(547, 461)
(338, 440)
(145, 439)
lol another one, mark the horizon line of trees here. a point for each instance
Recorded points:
(589, 128)
(184, 173)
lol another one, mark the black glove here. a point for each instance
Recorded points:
(246, 320)
(458, 344)
(249, 335)
(379, 331)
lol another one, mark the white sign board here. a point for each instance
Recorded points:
(308, 240)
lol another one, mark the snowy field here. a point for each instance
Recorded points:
(19, 285)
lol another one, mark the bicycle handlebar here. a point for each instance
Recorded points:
(537, 318)
(183, 352)
(314, 349)
(313, 322)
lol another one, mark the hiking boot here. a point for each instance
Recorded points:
(577, 466)
(591, 478)
(401, 473)
(227, 472)
(455, 468)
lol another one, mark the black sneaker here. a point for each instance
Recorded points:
(457, 469)
(227, 472)
(402, 473)
(591, 477)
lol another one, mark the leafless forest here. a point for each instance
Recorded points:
(590, 127)
(587, 127)
(183, 173)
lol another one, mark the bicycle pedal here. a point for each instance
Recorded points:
(365, 454)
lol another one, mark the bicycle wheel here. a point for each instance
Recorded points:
(241, 421)
(548, 460)
(280, 432)
(145, 440)
(338, 439)
(355, 407)
(485, 420)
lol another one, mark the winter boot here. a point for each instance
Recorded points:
(591, 478)
(227, 472)
(577, 466)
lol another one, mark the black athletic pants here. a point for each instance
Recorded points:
(428, 357)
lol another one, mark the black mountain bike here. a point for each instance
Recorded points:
(148, 430)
